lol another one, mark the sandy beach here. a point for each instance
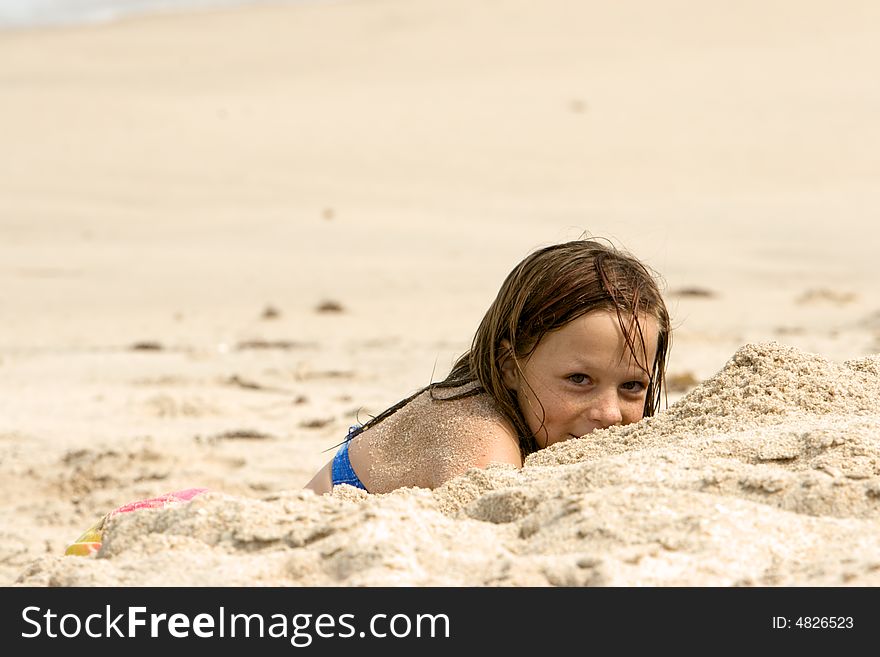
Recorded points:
(226, 236)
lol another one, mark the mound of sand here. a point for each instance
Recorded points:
(766, 474)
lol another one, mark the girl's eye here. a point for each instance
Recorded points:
(633, 386)
(578, 378)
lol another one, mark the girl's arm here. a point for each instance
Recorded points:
(322, 482)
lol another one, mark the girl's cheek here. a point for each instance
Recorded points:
(633, 410)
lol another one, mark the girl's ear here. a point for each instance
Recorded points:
(509, 373)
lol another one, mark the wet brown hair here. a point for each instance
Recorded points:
(549, 288)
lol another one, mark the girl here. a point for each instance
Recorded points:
(576, 340)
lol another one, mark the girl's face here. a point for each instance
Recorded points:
(584, 377)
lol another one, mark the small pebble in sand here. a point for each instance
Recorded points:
(695, 292)
(315, 423)
(270, 312)
(271, 344)
(329, 306)
(238, 381)
(242, 434)
(146, 346)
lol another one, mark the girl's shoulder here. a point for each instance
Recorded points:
(438, 435)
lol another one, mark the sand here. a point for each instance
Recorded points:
(228, 236)
(745, 481)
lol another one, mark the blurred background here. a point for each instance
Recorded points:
(229, 230)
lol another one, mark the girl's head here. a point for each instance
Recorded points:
(576, 339)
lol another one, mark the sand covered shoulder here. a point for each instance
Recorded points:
(766, 474)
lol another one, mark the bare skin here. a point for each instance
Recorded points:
(428, 442)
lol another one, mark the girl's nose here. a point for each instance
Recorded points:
(605, 410)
